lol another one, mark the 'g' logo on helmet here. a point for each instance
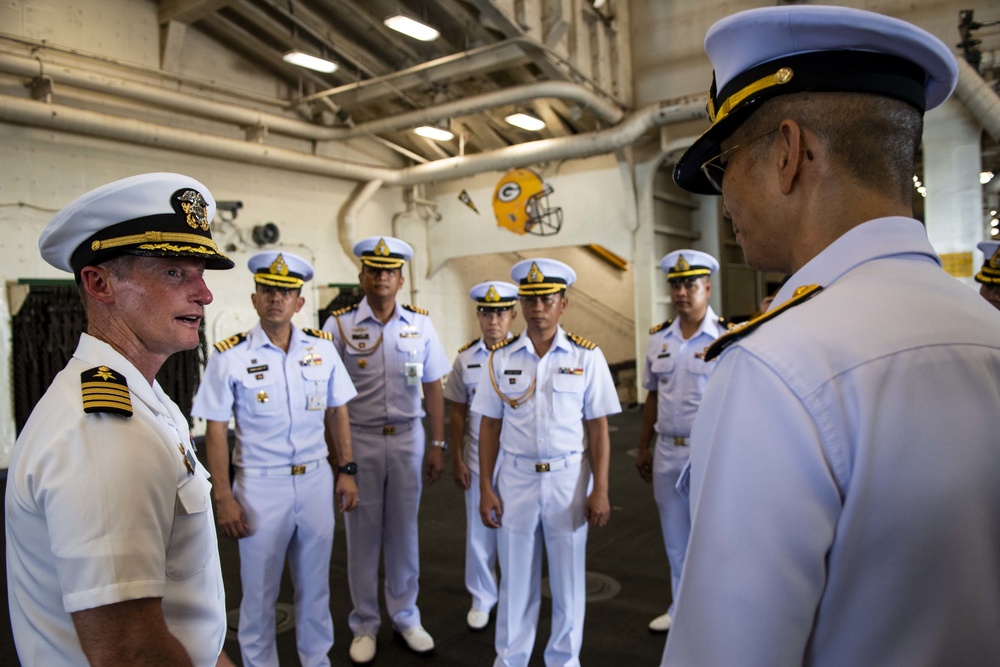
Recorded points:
(520, 203)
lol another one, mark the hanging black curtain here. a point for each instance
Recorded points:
(45, 333)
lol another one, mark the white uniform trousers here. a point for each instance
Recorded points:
(675, 512)
(389, 484)
(480, 552)
(293, 515)
(542, 507)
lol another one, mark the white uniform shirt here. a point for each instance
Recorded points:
(279, 399)
(678, 376)
(572, 384)
(101, 508)
(406, 344)
(466, 372)
(845, 473)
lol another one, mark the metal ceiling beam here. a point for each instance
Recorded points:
(388, 38)
(188, 11)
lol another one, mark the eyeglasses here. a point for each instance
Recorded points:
(715, 168)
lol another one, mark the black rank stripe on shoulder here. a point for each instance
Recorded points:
(231, 342)
(415, 309)
(468, 345)
(344, 311)
(581, 341)
(738, 331)
(660, 327)
(105, 390)
(504, 343)
(317, 333)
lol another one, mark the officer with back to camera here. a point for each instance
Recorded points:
(391, 352)
(495, 310)
(845, 499)
(675, 378)
(289, 390)
(111, 548)
(544, 432)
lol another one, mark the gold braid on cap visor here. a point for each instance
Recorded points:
(688, 274)
(377, 262)
(276, 280)
(782, 76)
(540, 289)
(152, 237)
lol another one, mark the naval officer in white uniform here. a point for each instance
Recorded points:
(495, 310)
(845, 473)
(289, 390)
(392, 353)
(546, 388)
(112, 555)
(675, 377)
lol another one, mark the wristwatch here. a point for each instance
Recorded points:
(443, 444)
(349, 468)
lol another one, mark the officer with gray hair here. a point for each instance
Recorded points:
(845, 503)
(111, 547)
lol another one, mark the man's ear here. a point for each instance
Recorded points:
(793, 154)
(96, 282)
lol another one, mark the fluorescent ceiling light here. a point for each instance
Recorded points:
(301, 59)
(525, 122)
(434, 133)
(412, 28)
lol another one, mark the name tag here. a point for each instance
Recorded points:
(515, 371)
(414, 370)
(316, 403)
(257, 369)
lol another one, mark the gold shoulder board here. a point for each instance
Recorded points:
(581, 341)
(659, 327)
(415, 309)
(504, 343)
(105, 390)
(317, 333)
(738, 331)
(342, 311)
(468, 345)
(231, 342)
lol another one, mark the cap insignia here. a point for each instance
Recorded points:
(995, 259)
(195, 208)
(492, 296)
(682, 264)
(534, 275)
(382, 250)
(278, 266)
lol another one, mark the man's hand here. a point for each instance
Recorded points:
(231, 518)
(490, 509)
(434, 465)
(598, 510)
(346, 493)
(460, 473)
(644, 464)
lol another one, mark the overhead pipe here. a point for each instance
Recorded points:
(979, 98)
(205, 108)
(23, 111)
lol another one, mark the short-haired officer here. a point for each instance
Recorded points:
(989, 275)
(289, 390)
(675, 377)
(845, 503)
(112, 555)
(545, 426)
(392, 353)
(495, 310)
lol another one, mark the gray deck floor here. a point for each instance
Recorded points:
(629, 551)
